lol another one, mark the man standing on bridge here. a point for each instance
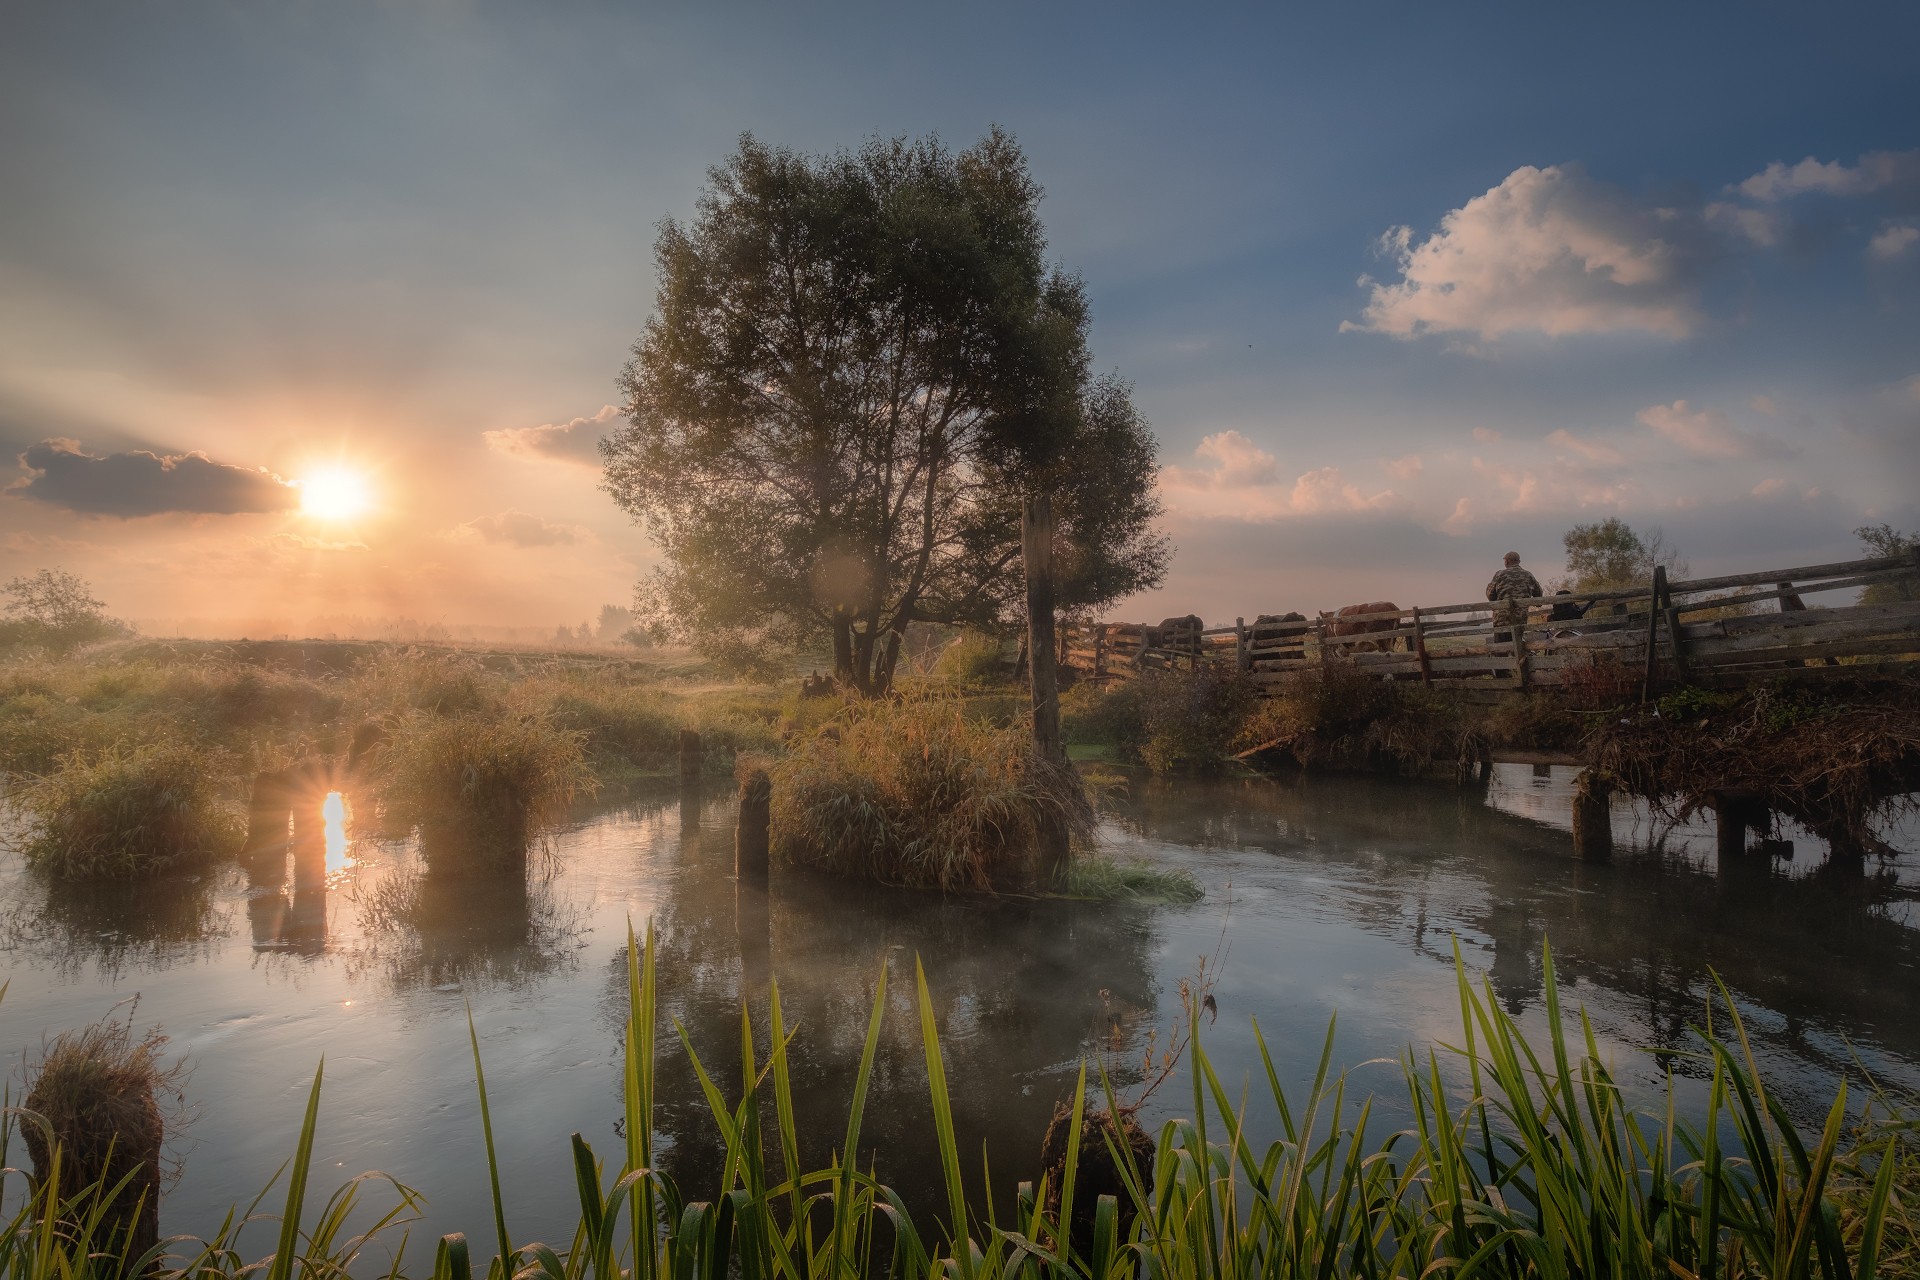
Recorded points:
(1510, 586)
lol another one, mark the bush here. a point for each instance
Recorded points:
(910, 791)
(127, 811)
(480, 785)
(1343, 718)
(1169, 720)
(974, 658)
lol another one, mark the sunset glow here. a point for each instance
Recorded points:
(334, 494)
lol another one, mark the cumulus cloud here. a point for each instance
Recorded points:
(1707, 433)
(1894, 240)
(1486, 435)
(1596, 451)
(1875, 171)
(1240, 480)
(137, 483)
(1405, 467)
(575, 441)
(519, 529)
(1548, 250)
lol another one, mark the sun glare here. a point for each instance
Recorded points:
(334, 494)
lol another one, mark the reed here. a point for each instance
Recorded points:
(126, 811)
(1520, 1161)
(914, 791)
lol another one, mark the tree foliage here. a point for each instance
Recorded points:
(53, 609)
(859, 366)
(1609, 555)
(1883, 540)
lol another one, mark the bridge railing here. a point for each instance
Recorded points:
(1721, 630)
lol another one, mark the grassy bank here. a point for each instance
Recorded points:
(1520, 1160)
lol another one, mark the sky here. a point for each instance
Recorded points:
(1401, 287)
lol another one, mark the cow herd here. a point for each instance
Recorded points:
(1284, 635)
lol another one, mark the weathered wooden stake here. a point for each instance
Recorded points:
(1099, 650)
(1592, 817)
(1242, 654)
(691, 758)
(753, 833)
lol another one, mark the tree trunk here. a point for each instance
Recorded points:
(843, 649)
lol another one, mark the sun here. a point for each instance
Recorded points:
(334, 493)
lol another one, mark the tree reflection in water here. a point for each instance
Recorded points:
(120, 927)
(1022, 990)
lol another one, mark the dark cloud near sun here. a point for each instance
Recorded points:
(576, 441)
(62, 473)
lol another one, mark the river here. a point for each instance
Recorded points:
(1323, 896)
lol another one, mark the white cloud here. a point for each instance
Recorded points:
(1548, 250)
(1894, 240)
(1244, 482)
(1876, 170)
(518, 528)
(1761, 227)
(1764, 404)
(1405, 467)
(1592, 450)
(1486, 435)
(575, 441)
(1706, 433)
(1769, 487)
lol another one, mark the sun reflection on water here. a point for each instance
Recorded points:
(333, 817)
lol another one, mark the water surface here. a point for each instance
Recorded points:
(1323, 895)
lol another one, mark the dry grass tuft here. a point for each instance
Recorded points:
(480, 785)
(97, 1096)
(124, 812)
(911, 791)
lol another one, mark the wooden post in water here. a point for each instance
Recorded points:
(691, 759)
(753, 833)
(1592, 817)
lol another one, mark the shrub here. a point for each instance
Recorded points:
(127, 811)
(910, 791)
(1343, 718)
(480, 785)
(974, 658)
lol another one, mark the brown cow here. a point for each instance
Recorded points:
(1338, 628)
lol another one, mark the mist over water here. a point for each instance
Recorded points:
(1324, 895)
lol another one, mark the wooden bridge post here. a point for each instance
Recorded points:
(1674, 639)
(1320, 635)
(1420, 649)
(1519, 634)
(1653, 629)
(1242, 655)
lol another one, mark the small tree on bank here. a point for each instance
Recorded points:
(1883, 540)
(56, 610)
(859, 366)
(1609, 555)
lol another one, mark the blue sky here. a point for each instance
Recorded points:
(1401, 287)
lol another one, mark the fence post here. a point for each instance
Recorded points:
(1653, 628)
(1320, 636)
(1099, 651)
(1420, 649)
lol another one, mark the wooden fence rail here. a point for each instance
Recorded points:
(1725, 630)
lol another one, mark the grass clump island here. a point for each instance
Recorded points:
(1517, 1160)
(915, 791)
(126, 811)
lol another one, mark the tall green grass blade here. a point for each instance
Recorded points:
(493, 1162)
(283, 1257)
(943, 1128)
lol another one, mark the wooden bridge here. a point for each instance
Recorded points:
(1716, 632)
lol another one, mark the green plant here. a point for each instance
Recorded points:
(127, 811)
(973, 658)
(1518, 1162)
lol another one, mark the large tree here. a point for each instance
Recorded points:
(1610, 555)
(859, 365)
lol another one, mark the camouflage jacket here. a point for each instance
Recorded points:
(1513, 584)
